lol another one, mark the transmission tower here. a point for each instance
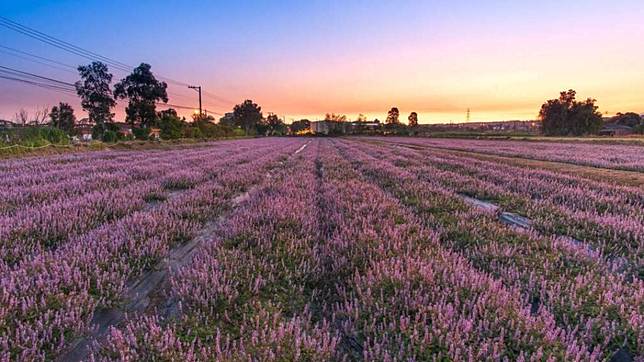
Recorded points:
(468, 115)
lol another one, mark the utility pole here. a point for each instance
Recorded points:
(198, 89)
(468, 115)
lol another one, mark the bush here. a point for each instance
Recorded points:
(170, 124)
(192, 132)
(34, 136)
(110, 136)
(141, 133)
(639, 129)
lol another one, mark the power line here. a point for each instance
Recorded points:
(59, 63)
(19, 72)
(19, 76)
(61, 44)
(40, 84)
(37, 56)
(37, 61)
(215, 113)
(82, 52)
(63, 89)
(35, 33)
(218, 98)
(71, 92)
(56, 62)
(177, 106)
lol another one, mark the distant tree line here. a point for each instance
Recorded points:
(143, 92)
(562, 116)
(566, 116)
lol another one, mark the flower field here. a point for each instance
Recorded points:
(612, 156)
(319, 250)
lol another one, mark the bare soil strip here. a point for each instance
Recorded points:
(522, 222)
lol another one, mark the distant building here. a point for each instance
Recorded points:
(345, 128)
(124, 129)
(532, 127)
(366, 128)
(155, 133)
(328, 128)
(612, 129)
(82, 132)
(6, 124)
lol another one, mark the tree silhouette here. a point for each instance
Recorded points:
(332, 117)
(40, 116)
(361, 118)
(227, 120)
(630, 119)
(301, 125)
(96, 95)
(143, 91)
(21, 117)
(170, 124)
(274, 125)
(62, 117)
(203, 117)
(413, 119)
(392, 116)
(567, 116)
(247, 115)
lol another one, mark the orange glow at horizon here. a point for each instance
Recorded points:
(502, 60)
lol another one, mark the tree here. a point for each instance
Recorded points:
(413, 119)
(143, 91)
(40, 116)
(62, 117)
(630, 119)
(274, 125)
(392, 116)
(247, 115)
(21, 117)
(361, 118)
(96, 95)
(227, 120)
(584, 118)
(567, 116)
(196, 117)
(332, 117)
(300, 126)
(170, 124)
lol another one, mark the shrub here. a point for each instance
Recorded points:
(34, 136)
(110, 136)
(639, 129)
(141, 133)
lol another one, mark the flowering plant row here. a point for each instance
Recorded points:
(615, 156)
(349, 254)
(50, 293)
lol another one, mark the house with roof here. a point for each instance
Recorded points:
(155, 133)
(612, 129)
(82, 133)
(124, 129)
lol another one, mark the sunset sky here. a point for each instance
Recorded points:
(301, 59)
